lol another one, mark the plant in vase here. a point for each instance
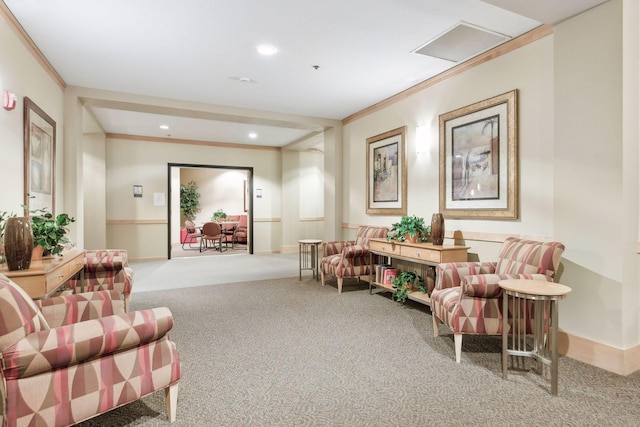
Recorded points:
(410, 228)
(219, 215)
(403, 284)
(50, 231)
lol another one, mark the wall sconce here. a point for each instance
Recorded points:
(422, 142)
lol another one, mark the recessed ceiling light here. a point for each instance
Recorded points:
(253, 135)
(266, 49)
(164, 127)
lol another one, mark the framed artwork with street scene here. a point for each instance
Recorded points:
(387, 173)
(479, 160)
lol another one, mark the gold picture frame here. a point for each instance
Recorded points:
(387, 173)
(39, 158)
(479, 160)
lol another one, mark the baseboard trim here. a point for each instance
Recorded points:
(618, 361)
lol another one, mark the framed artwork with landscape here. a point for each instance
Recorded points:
(479, 160)
(39, 158)
(387, 173)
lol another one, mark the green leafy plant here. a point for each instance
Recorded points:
(50, 232)
(409, 226)
(403, 284)
(189, 200)
(219, 215)
(4, 215)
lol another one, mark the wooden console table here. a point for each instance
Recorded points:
(420, 253)
(46, 276)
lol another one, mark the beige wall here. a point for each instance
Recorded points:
(218, 188)
(21, 74)
(572, 177)
(94, 184)
(142, 162)
(303, 196)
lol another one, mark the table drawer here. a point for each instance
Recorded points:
(421, 254)
(384, 247)
(55, 279)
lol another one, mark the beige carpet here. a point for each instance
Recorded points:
(284, 352)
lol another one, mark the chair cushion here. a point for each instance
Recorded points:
(19, 316)
(519, 256)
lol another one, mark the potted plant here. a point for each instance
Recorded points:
(410, 228)
(50, 232)
(403, 284)
(189, 200)
(219, 215)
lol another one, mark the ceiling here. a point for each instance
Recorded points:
(334, 57)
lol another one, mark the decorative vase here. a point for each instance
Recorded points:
(18, 243)
(437, 229)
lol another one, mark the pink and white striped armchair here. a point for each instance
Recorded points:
(105, 270)
(467, 297)
(349, 258)
(69, 358)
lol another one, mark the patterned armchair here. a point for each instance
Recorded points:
(105, 270)
(69, 358)
(349, 258)
(467, 297)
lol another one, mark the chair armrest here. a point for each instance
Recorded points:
(105, 260)
(355, 251)
(69, 345)
(69, 309)
(449, 275)
(486, 285)
(335, 247)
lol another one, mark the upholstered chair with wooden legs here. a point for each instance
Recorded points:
(467, 297)
(350, 258)
(69, 358)
(105, 270)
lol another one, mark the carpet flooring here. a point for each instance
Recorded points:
(284, 352)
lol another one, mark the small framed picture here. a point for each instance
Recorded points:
(137, 191)
(387, 173)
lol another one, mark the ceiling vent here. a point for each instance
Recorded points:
(461, 42)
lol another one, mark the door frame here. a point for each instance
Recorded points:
(249, 171)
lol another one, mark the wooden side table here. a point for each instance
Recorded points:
(47, 276)
(308, 256)
(545, 297)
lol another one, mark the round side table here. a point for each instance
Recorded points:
(545, 297)
(308, 256)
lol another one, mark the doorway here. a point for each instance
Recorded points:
(229, 188)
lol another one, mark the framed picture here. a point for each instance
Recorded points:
(39, 158)
(479, 160)
(387, 173)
